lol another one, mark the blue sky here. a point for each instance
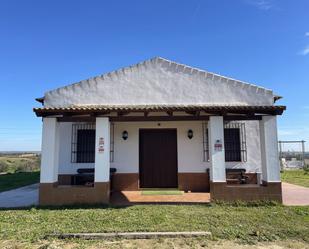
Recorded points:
(47, 44)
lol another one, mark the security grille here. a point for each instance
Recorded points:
(205, 143)
(83, 143)
(234, 142)
(112, 143)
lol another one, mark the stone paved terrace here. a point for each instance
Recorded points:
(136, 197)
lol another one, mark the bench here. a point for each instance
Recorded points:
(85, 176)
(236, 176)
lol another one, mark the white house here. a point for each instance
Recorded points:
(159, 124)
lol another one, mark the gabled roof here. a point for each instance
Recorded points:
(79, 93)
(181, 67)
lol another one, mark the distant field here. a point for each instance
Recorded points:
(298, 177)
(19, 163)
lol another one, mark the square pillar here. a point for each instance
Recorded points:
(102, 150)
(50, 151)
(216, 149)
(269, 149)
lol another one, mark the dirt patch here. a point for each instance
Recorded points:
(154, 243)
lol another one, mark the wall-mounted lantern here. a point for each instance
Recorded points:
(125, 135)
(190, 134)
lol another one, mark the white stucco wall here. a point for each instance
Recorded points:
(190, 151)
(159, 81)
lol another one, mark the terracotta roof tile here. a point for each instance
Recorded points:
(43, 111)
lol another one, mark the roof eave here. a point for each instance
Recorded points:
(40, 100)
(218, 110)
(277, 97)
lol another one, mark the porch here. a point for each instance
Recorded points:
(206, 149)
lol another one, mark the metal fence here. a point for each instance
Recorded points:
(292, 154)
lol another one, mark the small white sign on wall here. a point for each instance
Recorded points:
(218, 145)
(101, 145)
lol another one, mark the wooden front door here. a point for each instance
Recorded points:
(158, 158)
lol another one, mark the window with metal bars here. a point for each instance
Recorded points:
(234, 142)
(83, 143)
(232, 145)
(112, 143)
(205, 143)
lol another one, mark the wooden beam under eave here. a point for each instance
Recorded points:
(96, 114)
(250, 114)
(122, 113)
(193, 113)
(169, 113)
(242, 112)
(224, 113)
(73, 114)
(240, 117)
(155, 118)
(76, 119)
(49, 114)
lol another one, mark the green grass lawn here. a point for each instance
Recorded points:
(298, 177)
(229, 222)
(16, 180)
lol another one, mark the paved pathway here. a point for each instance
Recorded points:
(20, 197)
(294, 195)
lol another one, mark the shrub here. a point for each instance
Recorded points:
(15, 164)
(306, 168)
(4, 167)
